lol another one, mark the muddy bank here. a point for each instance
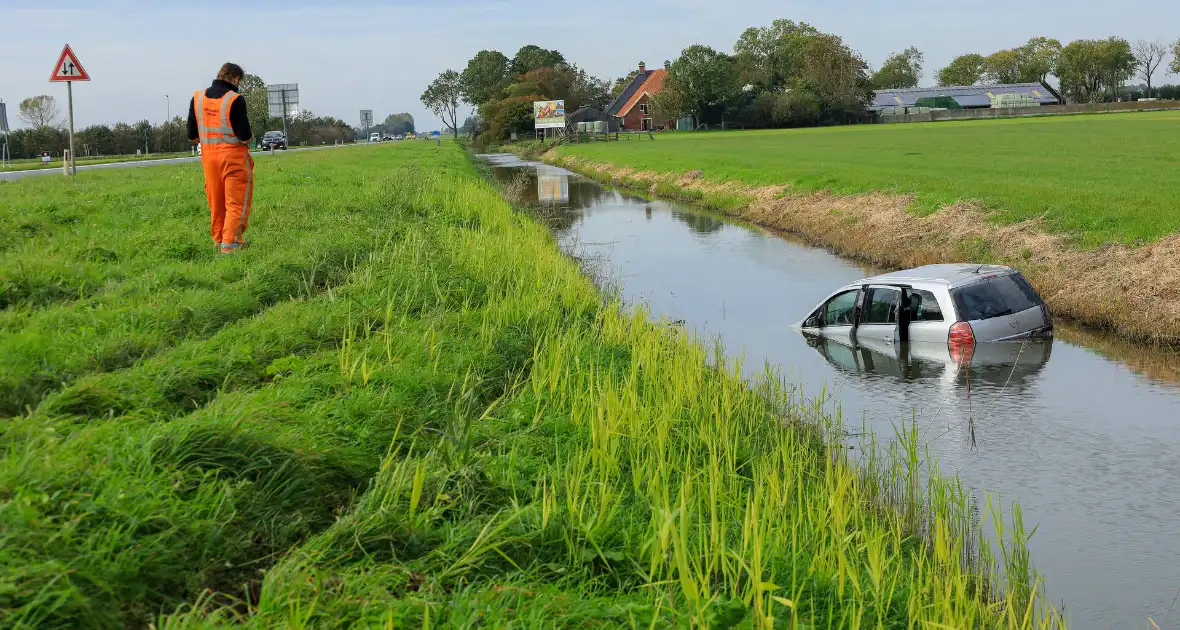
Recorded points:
(1134, 291)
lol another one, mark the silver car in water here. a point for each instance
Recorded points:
(956, 304)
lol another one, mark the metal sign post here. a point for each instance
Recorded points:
(5, 158)
(68, 70)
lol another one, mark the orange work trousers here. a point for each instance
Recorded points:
(229, 187)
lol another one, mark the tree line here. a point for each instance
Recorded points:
(785, 74)
(502, 90)
(46, 131)
(1087, 70)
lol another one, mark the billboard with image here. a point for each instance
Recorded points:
(549, 114)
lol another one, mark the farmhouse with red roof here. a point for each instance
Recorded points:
(633, 107)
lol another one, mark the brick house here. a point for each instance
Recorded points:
(633, 109)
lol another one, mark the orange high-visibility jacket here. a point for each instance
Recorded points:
(213, 126)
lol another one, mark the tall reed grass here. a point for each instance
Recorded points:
(460, 432)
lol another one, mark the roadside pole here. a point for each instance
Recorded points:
(5, 159)
(68, 70)
(286, 135)
(70, 99)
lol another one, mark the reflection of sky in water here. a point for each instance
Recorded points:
(1090, 449)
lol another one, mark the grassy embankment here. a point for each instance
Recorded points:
(403, 406)
(1084, 204)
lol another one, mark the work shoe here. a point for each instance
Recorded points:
(229, 247)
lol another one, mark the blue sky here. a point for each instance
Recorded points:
(349, 55)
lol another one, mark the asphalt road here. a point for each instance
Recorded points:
(10, 175)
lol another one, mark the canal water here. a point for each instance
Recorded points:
(1084, 431)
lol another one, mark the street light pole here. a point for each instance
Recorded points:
(167, 118)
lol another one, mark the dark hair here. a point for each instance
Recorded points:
(230, 72)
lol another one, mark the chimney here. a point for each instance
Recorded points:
(642, 67)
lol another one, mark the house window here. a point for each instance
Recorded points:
(646, 124)
(645, 109)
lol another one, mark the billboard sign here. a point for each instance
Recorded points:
(549, 114)
(366, 118)
(282, 99)
(3, 117)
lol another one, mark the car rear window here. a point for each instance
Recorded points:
(995, 297)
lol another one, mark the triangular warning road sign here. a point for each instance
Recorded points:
(68, 67)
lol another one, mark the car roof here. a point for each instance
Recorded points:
(952, 275)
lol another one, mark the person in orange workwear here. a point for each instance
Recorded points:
(217, 118)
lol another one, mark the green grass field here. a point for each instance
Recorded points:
(402, 406)
(1099, 179)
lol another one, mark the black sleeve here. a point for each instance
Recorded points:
(239, 119)
(192, 122)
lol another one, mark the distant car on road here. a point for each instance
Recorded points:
(374, 137)
(386, 138)
(273, 139)
(957, 304)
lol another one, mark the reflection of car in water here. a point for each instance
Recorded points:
(1008, 364)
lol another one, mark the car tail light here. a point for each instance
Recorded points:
(1048, 317)
(961, 342)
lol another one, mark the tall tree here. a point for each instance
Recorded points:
(442, 97)
(1175, 65)
(900, 70)
(1090, 68)
(1117, 63)
(398, 124)
(1078, 71)
(705, 82)
(97, 139)
(1038, 59)
(1148, 57)
(483, 73)
(253, 89)
(837, 75)
(1002, 66)
(567, 83)
(962, 70)
(771, 56)
(39, 111)
(531, 57)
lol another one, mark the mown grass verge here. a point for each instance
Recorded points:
(35, 164)
(457, 430)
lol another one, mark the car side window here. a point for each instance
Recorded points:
(924, 307)
(881, 306)
(838, 310)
